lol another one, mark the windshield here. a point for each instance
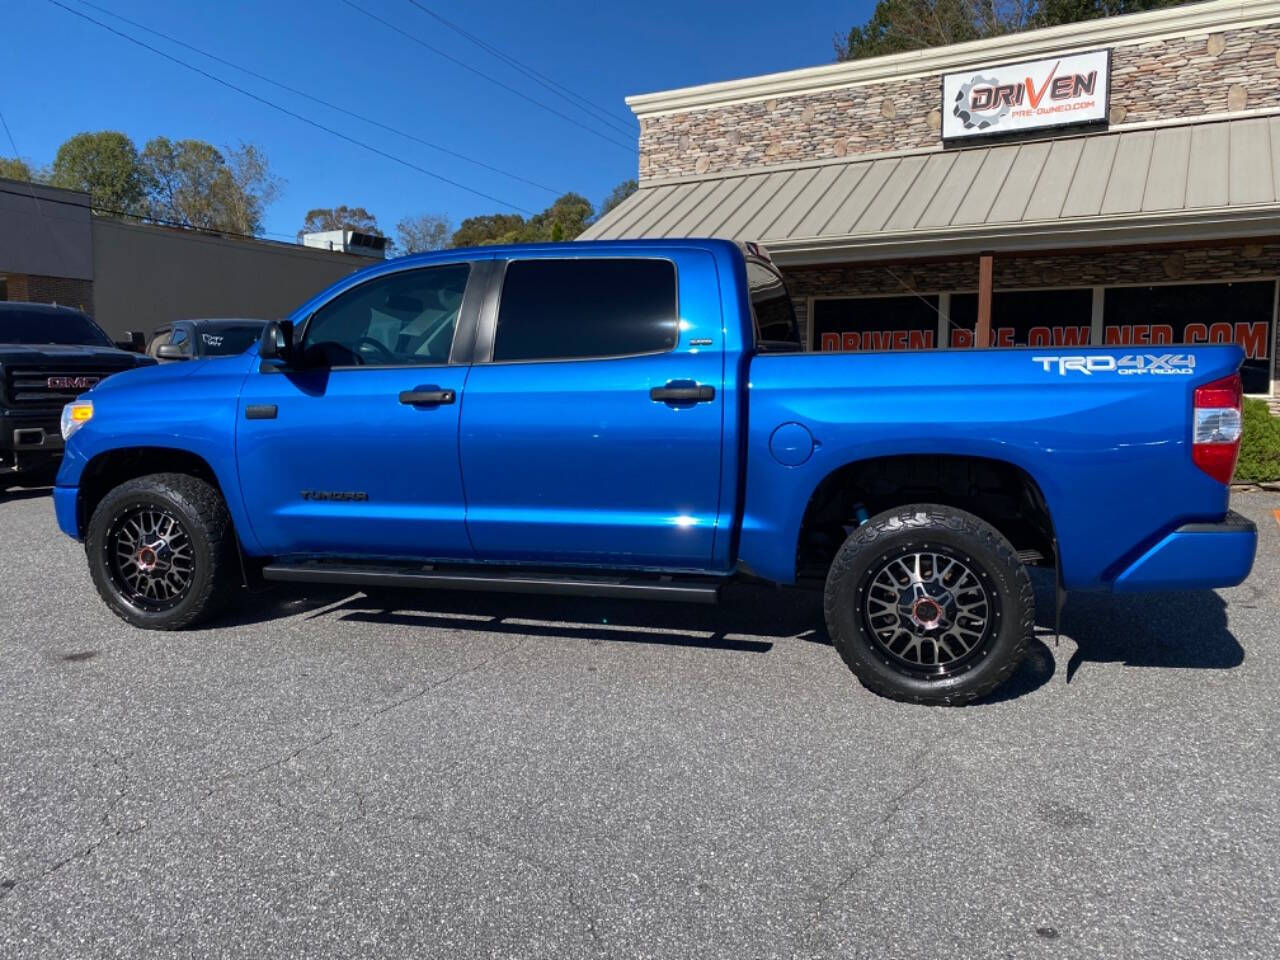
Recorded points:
(227, 341)
(47, 326)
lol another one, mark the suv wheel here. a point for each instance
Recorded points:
(161, 551)
(929, 604)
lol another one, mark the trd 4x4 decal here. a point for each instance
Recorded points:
(1165, 364)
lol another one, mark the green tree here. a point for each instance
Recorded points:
(15, 168)
(105, 165)
(488, 229)
(896, 26)
(619, 193)
(340, 218)
(423, 232)
(1049, 13)
(252, 188)
(193, 183)
(183, 179)
(567, 217)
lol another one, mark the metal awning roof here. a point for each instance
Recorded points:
(1202, 181)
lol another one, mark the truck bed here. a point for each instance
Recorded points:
(1104, 433)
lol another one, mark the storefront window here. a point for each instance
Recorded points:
(1026, 318)
(1147, 316)
(876, 323)
(1197, 313)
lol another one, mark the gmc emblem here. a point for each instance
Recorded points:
(71, 383)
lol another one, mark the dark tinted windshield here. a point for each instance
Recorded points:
(47, 326)
(226, 341)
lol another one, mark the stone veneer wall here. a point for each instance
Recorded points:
(1248, 261)
(1187, 76)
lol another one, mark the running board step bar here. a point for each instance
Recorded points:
(619, 586)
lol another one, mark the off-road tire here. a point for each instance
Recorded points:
(926, 527)
(200, 509)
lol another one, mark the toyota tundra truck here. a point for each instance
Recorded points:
(637, 420)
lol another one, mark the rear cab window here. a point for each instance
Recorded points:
(586, 308)
(772, 311)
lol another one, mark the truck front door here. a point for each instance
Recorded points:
(353, 449)
(593, 433)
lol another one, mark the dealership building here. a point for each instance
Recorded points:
(1111, 182)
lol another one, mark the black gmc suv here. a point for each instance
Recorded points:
(49, 355)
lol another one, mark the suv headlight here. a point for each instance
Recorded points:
(75, 416)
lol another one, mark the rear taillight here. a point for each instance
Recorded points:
(1215, 436)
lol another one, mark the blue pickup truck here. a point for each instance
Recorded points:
(632, 419)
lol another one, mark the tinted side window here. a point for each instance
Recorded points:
(772, 309)
(403, 318)
(562, 309)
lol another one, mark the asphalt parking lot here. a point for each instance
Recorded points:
(495, 776)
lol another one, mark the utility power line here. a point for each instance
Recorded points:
(221, 81)
(630, 147)
(560, 90)
(315, 99)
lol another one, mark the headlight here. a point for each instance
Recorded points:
(75, 416)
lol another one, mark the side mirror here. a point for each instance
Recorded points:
(135, 341)
(170, 351)
(277, 342)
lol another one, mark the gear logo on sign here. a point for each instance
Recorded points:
(974, 119)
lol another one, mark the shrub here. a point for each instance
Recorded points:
(1260, 445)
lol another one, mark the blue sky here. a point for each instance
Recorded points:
(88, 79)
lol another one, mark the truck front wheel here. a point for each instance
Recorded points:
(929, 604)
(161, 551)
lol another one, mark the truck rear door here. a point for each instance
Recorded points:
(591, 428)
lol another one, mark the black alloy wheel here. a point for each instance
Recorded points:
(928, 610)
(929, 604)
(151, 557)
(162, 551)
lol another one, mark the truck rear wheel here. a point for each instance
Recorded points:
(929, 604)
(161, 551)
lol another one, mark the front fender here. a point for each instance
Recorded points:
(192, 414)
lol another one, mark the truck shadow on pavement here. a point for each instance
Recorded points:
(1182, 630)
(13, 494)
(748, 620)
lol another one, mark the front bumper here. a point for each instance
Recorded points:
(29, 439)
(1196, 556)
